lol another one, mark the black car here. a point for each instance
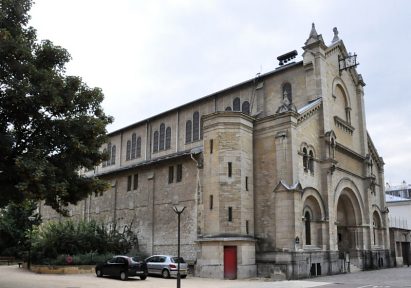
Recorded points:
(123, 267)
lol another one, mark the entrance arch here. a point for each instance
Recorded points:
(377, 229)
(313, 215)
(307, 228)
(349, 219)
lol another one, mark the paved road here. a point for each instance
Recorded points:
(384, 278)
(14, 277)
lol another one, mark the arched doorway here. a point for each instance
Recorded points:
(307, 228)
(349, 221)
(376, 227)
(312, 215)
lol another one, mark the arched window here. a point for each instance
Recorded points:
(311, 161)
(287, 92)
(246, 107)
(113, 155)
(133, 145)
(307, 228)
(236, 104)
(196, 126)
(155, 142)
(168, 138)
(128, 150)
(305, 159)
(332, 146)
(228, 108)
(138, 152)
(188, 131)
(109, 154)
(162, 134)
(104, 164)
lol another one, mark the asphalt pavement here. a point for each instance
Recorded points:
(14, 277)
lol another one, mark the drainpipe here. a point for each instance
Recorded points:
(198, 182)
(115, 204)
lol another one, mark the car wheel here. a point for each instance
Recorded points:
(183, 276)
(165, 274)
(143, 277)
(99, 273)
(123, 276)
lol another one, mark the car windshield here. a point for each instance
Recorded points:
(175, 260)
(137, 259)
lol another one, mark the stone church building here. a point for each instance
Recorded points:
(278, 175)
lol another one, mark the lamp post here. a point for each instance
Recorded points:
(31, 219)
(178, 209)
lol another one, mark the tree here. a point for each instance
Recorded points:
(51, 125)
(14, 227)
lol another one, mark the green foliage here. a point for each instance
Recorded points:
(79, 259)
(15, 227)
(51, 125)
(53, 241)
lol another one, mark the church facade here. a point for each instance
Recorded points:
(278, 175)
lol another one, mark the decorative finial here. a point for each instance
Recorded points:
(335, 39)
(313, 33)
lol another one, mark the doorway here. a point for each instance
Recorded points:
(405, 247)
(230, 262)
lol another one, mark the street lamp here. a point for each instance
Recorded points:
(31, 219)
(178, 209)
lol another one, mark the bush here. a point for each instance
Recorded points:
(79, 259)
(89, 242)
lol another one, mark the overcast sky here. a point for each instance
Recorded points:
(151, 56)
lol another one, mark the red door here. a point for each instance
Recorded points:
(230, 262)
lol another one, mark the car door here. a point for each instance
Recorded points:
(108, 267)
(151, 264)
(161, 263)
(121, 265)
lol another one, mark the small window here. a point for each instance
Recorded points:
(155, 142)
(305, 159)
(230, 214)
(246, 183)
(211, 146)
(245, 108)
(133, 145)
(196, 126)
(168, 138)
(179, 172)
(104, 164)
(128, 150)
(311, 162)
(211, 202)
(236, 104)
(138, 152)
(135, 182)
(113, 155)
(170, 174)
(129, 179)
(109, 151)
(162, 136)
(189, 127)
(230, 169)
(247, 231)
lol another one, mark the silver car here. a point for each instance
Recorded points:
(166, 266)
